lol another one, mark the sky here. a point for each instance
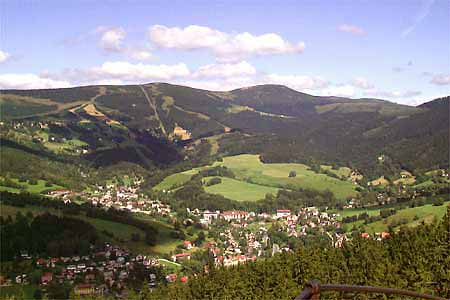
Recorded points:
(398, 50)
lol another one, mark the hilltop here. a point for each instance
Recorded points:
(158, 125)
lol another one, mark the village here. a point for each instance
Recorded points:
(232, 237)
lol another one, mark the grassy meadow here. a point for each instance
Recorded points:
(239, 190)
(37, 188)
(254, 179)
(410, 217)
(407, 216)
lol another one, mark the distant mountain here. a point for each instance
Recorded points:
(148, 124)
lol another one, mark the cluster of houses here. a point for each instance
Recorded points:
(127, 197)
(38, 132)
(378, 236)
(97, 273)
(306, 218)
(237, 243)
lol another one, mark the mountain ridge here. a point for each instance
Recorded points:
(281, 124)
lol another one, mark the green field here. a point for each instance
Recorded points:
(166, 243)
(250, 171)
(31, 188)
(170, 264)
(343, 171)
(276, 175)
(239, 190)
(121, 231)
(411, 216)
(67, 146)
(356, 211)
(173, 180)
(424, 184)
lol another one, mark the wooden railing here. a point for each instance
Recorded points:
(313, 288)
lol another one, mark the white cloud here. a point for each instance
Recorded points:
(122, 72)
(392, 94)
(440, 79)
(111, 39)
(30, 81)
(4, 56)
(190, 37)
(224, 84)
(344, 90)
(242, 68)
(246, 45)
(353, 29)
(109, 82)
(128, 71)
(140, 54)
(298, 82)
(226, 47)
(361, 83)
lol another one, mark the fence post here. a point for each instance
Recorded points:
(311, 291)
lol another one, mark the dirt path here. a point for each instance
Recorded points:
(72, 106)
(153, 106)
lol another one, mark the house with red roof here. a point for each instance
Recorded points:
(181, 256)
(385, 235)
(365, 235)
(187, 244)
(283, 213)
(171, 277)
(46, 278)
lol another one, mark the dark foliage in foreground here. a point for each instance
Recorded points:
(123, 217)
(45, 235)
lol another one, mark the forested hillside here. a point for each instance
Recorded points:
(159, 125)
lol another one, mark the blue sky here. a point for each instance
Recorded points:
(395, 50)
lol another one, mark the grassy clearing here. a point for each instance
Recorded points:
(239, 190)
(9, 189)
(169, 263)
(172, 181)
(67, 146)
(410, 216)
(424, 184)
(356, 211)
(121, 231)
(276, 175)
(249, 169)
(31, 188)
(214, 141)
(342, 171)
(166, 243)
(408, 181)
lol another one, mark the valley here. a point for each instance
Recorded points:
(173, 180)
